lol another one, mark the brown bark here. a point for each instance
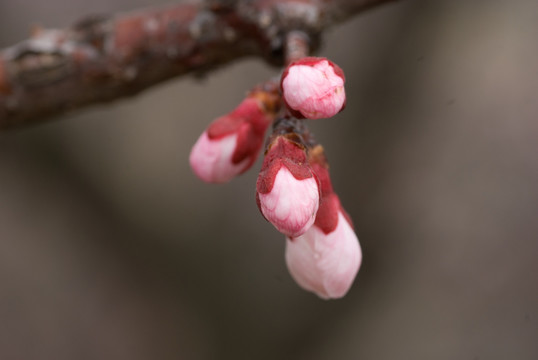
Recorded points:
(103, 59)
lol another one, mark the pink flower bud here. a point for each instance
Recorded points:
(313, 88)
(287, 190)
(211, 159)
(231, 144)
(326, 259)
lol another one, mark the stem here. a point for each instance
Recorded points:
(297, 46)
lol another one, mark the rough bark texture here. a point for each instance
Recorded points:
(101, 59)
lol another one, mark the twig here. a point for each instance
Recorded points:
(101, 59)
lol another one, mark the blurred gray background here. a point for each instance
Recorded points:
(110, 248)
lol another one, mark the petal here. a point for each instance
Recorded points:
(211, 159)
(325, 264)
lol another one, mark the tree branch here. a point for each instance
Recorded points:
(101, 59)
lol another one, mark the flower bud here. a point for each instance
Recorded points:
(326, 259)
(287, 189)
(313, 88)
(231, 144)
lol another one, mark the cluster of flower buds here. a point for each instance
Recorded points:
(293, 191)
